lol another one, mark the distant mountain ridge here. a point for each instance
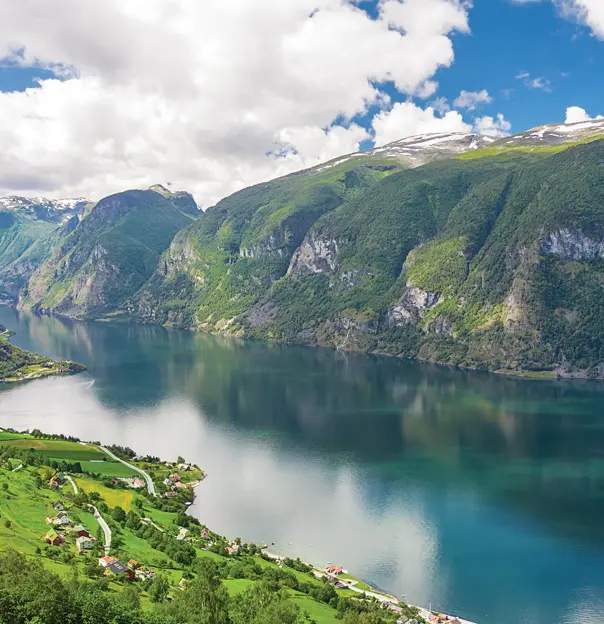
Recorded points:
(453, 248)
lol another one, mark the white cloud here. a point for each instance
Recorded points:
(497, 127)
(471, 99)
(576, 114)
(210, 95)
(440, 105)
(428, 89)
(587, 12)
(534, 83)
(407, 119)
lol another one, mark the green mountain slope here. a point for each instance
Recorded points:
(224, 263)
(490, 262)
(94, 264)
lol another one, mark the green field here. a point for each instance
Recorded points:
(113, 497)
(318, 611)
(109, 468)
(56, 449)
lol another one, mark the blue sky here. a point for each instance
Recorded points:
(509, 39)
(220, 94)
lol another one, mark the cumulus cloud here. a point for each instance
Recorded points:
(472, 99)
(406, 119)
(587, 12)
(210, 96)
(495, 127)
(576, 114)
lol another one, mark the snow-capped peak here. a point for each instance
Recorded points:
(42, 208)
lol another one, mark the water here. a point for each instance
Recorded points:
(479, 494)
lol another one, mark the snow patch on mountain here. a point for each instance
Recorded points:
(42, 208)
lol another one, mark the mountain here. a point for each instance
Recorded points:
(25, 228)
(490, 259)
(452, 248)
(413, 151)
(96, 261)
(42, 209)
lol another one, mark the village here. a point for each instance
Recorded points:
(121, 517)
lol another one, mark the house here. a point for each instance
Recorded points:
(85, 543)
(333, 570)
(182, 533)
(50, 519)
(180, 484)
(231, 550)
(175, 478)
(133, 564)
(81, 531)
(119, 569)
(105, 561)
(184, 467)
(54, 538)
(59, 506)
(205, 534)
(62, 520)
(167, 482)
(170, 494)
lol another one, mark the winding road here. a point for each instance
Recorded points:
(150, 485)
(104, 526)
(73, 484)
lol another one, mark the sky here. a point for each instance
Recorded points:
(212, 96)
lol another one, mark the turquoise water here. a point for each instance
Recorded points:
(481, 495)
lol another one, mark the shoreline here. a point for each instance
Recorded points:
(352, 580)
(556, 374)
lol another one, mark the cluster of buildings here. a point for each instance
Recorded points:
(133, 482)
(132, 572)
(83, 539)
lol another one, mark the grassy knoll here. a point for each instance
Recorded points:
(236, 586)
(318, 611)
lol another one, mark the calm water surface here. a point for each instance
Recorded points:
(481, 495)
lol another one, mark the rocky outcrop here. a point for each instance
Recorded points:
(413, 306)
(318, 253)
(572, 245)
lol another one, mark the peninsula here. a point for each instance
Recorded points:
(19, 365)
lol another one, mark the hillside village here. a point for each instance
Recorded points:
(74, 507)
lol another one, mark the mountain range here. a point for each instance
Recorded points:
(452, 248)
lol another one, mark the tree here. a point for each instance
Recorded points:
(118, 514)
(8, 524)
(206, 600)
(180, 460)
(158, 591)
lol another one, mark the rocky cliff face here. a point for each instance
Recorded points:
(413, 306)
(317, 254)
(572, 245)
